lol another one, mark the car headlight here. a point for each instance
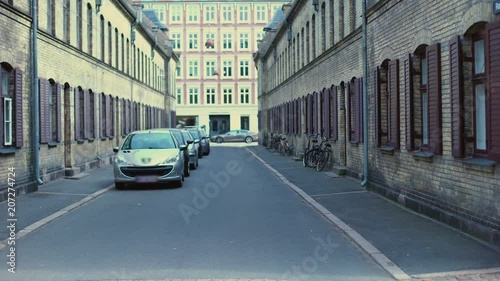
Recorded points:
(171, 160)
(121, 160)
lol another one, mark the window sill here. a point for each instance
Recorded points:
(104, 138)
(354, 143)
(387, 150)
(52, 144)
(91, 139)
(7, 151)
(423, 156)
(479, 164)
(80, 141)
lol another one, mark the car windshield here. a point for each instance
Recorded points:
(149, 141)
(187, 135)
(178, 136)
(195, 133)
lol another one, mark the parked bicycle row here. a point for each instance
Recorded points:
(316, 154)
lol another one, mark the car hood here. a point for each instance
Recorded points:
(148, 157)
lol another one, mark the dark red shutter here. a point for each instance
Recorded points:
(311, 113)
(95, 100)
(86, 114)
(315, 113)
(334, 133)
(326, 112)
(127, 116)
(433, 54)
(48, 112)
(410, 142)
(457, 98)
(350, 107)
(59, 89)
(359, 106)
(493, 89)
(18, 99)
(376, 95)
(355, 107)
(393, 87)
(139, 116)
(42, 90)
(77, 114)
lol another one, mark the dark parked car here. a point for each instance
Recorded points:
(180, 138)
(204, 139)
(236, 135)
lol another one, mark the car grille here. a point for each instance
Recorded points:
(146, 171)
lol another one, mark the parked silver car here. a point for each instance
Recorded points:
(193, 147)
(236, 135)
(149, 156)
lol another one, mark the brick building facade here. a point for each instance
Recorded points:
(101, 73)
(432, 93)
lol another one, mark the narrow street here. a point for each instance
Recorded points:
(231, 219)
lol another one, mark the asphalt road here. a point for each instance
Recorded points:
(231, 219)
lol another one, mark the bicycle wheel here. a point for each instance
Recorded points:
(322, 160)
(304, 162)
(283, 149)
(311, 158)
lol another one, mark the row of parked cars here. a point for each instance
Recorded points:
(159, 156)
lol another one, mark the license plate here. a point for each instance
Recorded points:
(146, 179)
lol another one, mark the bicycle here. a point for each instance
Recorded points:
(323, 154)
(285, 147)
(276, 140)
(307, 161)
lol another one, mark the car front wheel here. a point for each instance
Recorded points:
(219, 140)
(248, 140)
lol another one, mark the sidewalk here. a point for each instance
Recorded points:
(419, 246)
(54, 197)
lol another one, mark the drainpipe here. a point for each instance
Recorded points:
(365, 101)
(36, 104)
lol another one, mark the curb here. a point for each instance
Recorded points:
(36, 225)
(371, 250)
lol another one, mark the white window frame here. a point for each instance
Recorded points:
(193, 12)
(7, 121)
(193, 41)
(260, 13)
(227, 41)
(227, 66)
(245, 92)
(179, 95)
(244, 13)
(194, 96)
(244, 36)
(210, 13)
(176, 38)
(193, 66)
(209, 68)
(227, 96)
(175, 13)
(210, 95)
(244, 64)
(227, 13)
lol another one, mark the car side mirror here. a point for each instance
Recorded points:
(116, 149)
(196, 141)
(183, 147)
(189, 141)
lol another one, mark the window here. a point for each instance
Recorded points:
(179, 95)
(244, 95)
(89, 29)
(66, 21)
(178, 71)
(323, 27)
(243, 40)
(210, 36)
(110, 44)
(193, 68)
(92, 124)
(210, 96)
(11, 128)
(227, 13)
(244, 68)
(259, 35)
(260, 13)
(193, 11)
(193, 41)
(80, 113)
(386, 81)
(175, 13)
(193, 96)
(123, 53)
(176, 38)
(51, 16)
(102, 38)
(227, 41)
(313, 35)
(209, 68)
(479, 92)
(245, 122)
(227, 68)
(117, 49)
(104, 111)
(209, 13)
(423, 99)
(79, 23)
(228, 95)
(111, 124)
(128, 58)
(243, 14)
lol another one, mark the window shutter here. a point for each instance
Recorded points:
(86, 114)
(77, 114)
(139, 116)
(393, 85)
(310, 113)
(355, 106)
(59, 89)
(107, 104)
(359, 106)
(127, 117)
(493, 89)
(301, 101)
(95, 114)
(315, 112)
(376, 94)
(46, 105)
(42, 90)
(18, 98)
(334, 133)
(326, 112)
(349, 106)
(433, 54)
(457, 98)
(410, 143)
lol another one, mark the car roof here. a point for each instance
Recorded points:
(151, 131)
